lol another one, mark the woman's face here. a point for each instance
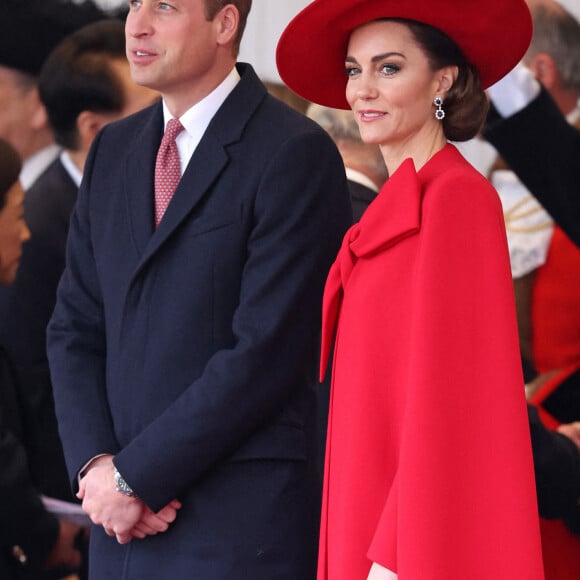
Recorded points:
(390, 85)
(13, 233)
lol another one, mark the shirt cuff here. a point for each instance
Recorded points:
(515, 91)
(84, 468)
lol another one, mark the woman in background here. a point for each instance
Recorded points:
(34, 544)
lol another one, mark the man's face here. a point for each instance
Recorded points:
(18, 110)
(172, 48)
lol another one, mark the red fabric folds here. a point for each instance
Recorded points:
(429, 468)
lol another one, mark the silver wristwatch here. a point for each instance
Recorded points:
(122, 486)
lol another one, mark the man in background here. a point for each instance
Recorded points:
(538, 143)
(536, 247)
(84, 84)
(28, 32)
(532, 126)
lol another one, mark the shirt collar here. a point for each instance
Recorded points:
(196, 119)
(71, 168)
(36, 164)
(358, 177)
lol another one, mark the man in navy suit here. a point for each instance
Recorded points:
(183, 355)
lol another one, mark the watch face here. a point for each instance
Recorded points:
(122, 485)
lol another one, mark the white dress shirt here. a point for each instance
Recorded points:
(74, 172)
(36, 164)
(196, 120)
(358, 177)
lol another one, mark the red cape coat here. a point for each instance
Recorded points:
(428, 469)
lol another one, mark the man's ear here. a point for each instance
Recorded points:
(89, 124)
(39, 116)
(228, 21)
(545, 70)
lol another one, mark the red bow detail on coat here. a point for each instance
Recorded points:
(394, 215)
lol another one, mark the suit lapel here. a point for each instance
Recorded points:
(208, 161)
(139, 180)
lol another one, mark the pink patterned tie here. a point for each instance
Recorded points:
(167, 169)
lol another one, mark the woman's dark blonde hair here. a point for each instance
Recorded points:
(465, 103)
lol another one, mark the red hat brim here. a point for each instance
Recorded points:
(492, 34)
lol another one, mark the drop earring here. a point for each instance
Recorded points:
(439, 113)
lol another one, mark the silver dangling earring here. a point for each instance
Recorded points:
(439, 113)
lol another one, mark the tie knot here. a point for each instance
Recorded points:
(173, 129)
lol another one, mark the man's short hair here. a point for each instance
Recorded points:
(557, 33)
(78, 76)
(212, 7)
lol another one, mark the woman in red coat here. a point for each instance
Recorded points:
(429, 471)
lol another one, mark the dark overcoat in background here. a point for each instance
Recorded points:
(26, 528)
(543, 149)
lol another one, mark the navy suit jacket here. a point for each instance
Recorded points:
(190, 351)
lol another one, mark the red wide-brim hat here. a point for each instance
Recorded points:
(492, 34)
